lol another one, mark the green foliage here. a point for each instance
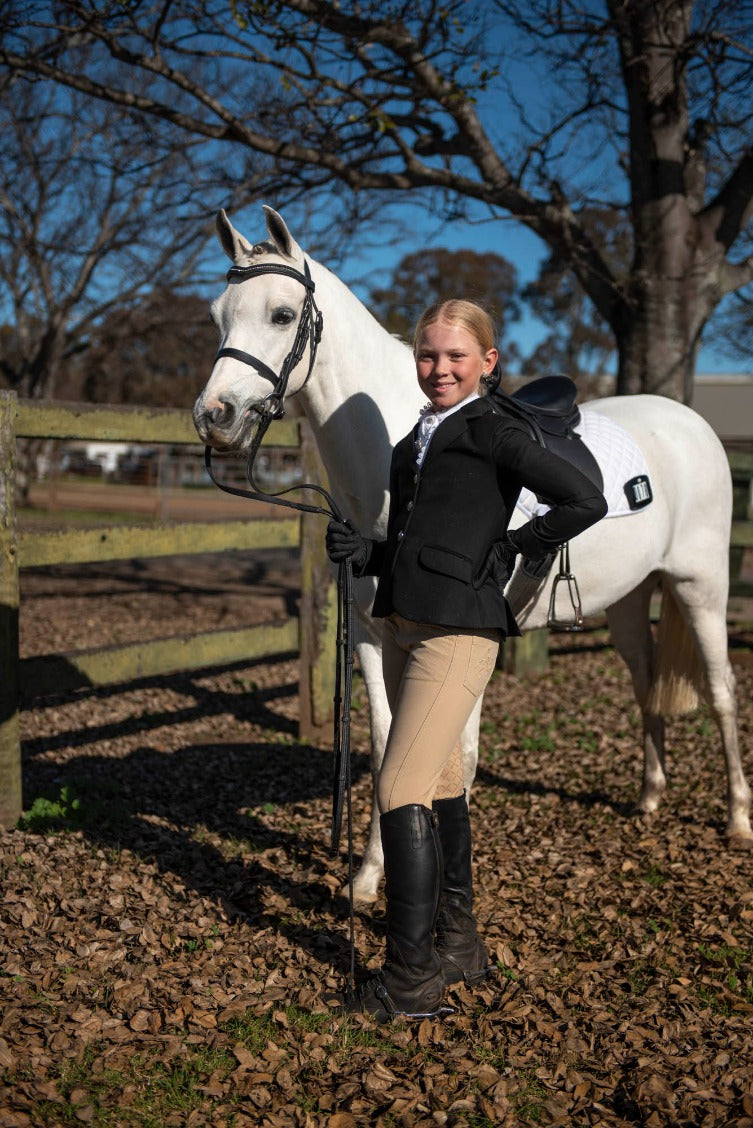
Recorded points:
(580, 342)
(539, 742)
(54, 814)
(727, 971)
(75, 806)
(529, 1099)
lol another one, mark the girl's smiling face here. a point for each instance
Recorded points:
(450, 363)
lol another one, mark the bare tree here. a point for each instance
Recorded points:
(90, 220)
(647, 111)
(731, 330)
(157, 353)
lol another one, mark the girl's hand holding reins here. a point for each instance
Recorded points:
(345, 543)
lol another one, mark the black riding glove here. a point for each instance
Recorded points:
(534, 564)
(346, 543)
(537, 568)
(499, 563)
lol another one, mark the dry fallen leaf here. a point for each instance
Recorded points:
(191, 922)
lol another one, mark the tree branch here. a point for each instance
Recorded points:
(730, 211)
(735, 275)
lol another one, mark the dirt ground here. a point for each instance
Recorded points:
(172, 924)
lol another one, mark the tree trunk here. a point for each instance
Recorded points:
(674, 288)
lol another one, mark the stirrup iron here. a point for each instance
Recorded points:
(566, 576)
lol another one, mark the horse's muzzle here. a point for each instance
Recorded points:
(224, 427)
(216, 426)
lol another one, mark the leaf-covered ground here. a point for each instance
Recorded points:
(171, 920)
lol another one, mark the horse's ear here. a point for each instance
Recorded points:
(233, 244)
(279, 234)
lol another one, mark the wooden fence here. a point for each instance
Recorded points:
(309, 634)
(29, 678)
(741, 467)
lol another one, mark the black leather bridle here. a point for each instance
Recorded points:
(309, 331)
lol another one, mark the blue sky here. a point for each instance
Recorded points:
(368, 266)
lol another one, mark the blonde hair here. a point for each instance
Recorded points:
(459, 311)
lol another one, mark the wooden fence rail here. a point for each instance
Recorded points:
(28, 678)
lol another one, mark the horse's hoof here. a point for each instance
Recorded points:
(360, 897)
(643, 812)
(739, 841)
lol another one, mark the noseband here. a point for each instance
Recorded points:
(309, 331)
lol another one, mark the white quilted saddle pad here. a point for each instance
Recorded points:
(619, 458)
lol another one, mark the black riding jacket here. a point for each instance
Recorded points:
(445, 516)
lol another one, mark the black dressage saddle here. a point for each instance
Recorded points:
(547, 407)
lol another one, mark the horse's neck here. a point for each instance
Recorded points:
(361, 398)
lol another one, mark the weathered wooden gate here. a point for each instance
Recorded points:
(309, 633)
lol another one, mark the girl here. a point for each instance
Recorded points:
(454, 481)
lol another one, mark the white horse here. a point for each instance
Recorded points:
(361, 395)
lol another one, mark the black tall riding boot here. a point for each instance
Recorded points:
(411, 983)
(462, 953)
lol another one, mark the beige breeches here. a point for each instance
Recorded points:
(433, 676)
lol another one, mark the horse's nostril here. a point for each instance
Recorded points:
(222, 415)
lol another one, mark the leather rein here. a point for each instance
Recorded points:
(309, 331)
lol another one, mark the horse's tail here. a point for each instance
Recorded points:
(678, 673)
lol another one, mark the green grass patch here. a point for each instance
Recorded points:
(529, 1099)
(62, 813)
(73, 808)
(540, 742)
(145, 1092)
(728, 970)
(654, 876)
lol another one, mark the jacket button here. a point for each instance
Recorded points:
(410, 505)
(401, 534)
(415, 479)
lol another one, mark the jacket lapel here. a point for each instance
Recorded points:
(448, 431)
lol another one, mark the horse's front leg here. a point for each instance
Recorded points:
(366, 880)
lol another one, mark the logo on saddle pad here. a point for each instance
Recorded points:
(638, 491)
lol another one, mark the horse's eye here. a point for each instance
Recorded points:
(283, 316)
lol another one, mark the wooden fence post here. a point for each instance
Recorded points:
(528, 654)
(10, 742)
(318, 611)
(741, 469)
